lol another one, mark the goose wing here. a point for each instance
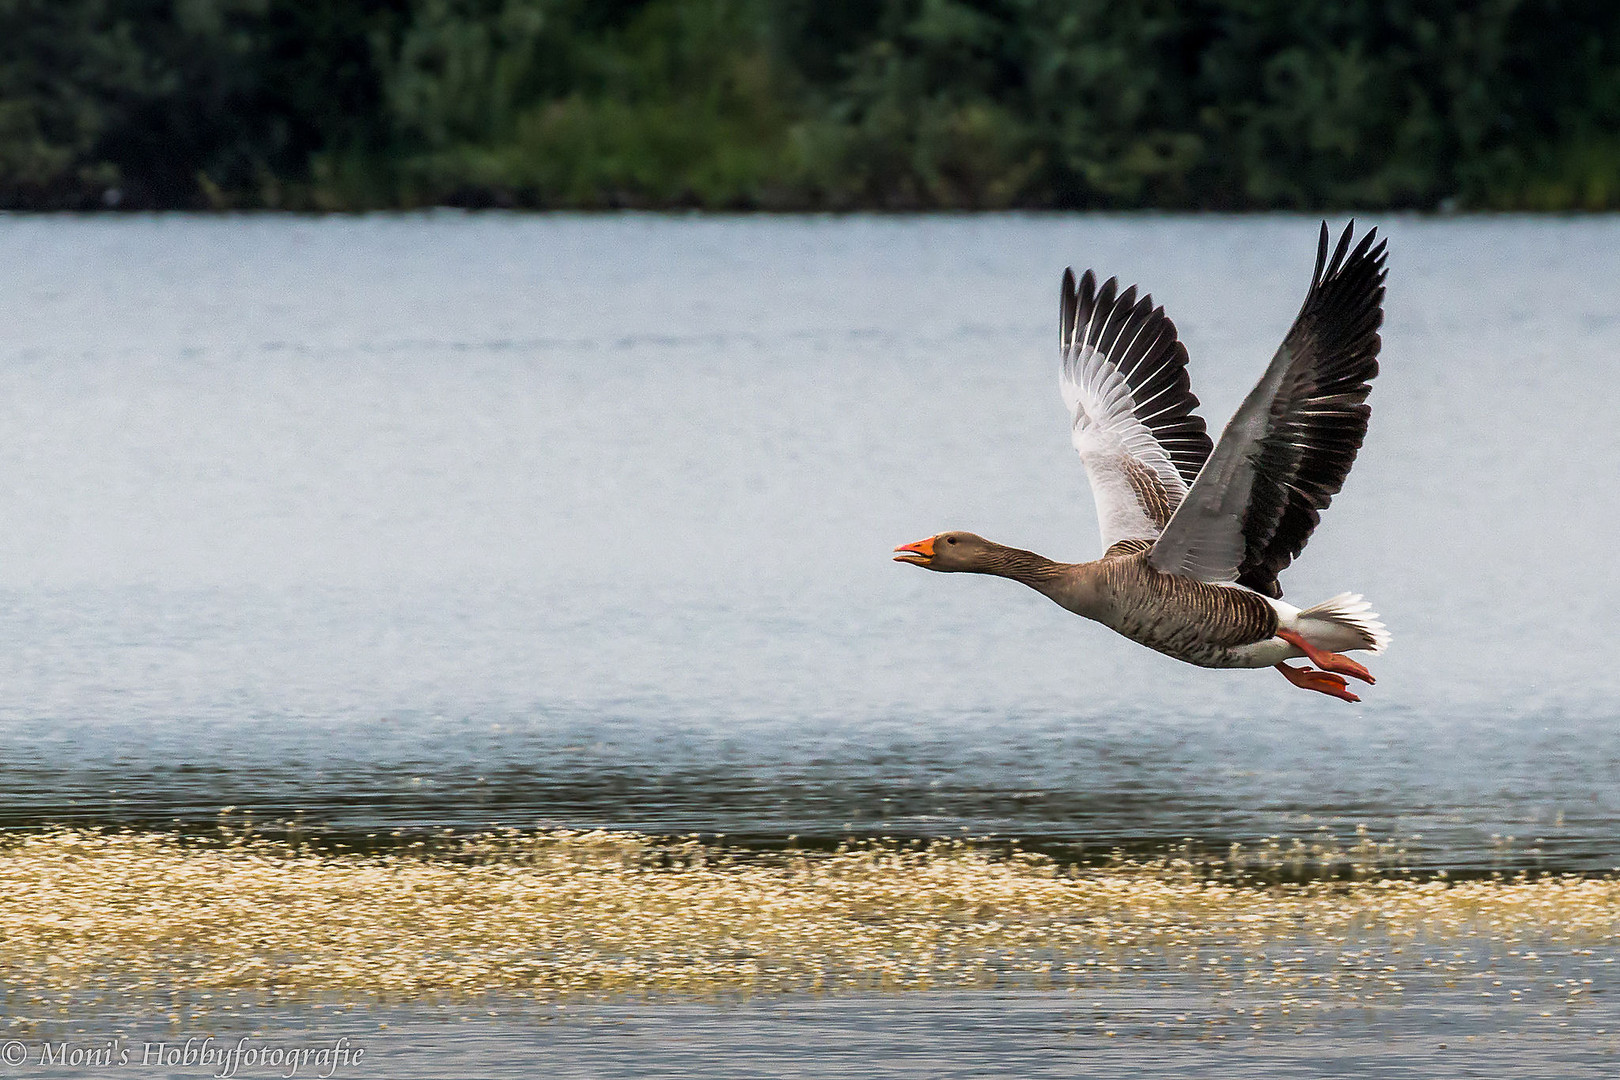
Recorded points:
(1125, 382)
(1288, 448)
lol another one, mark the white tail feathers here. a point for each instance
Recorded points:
(1348, 615)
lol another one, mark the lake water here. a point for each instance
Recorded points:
(451, 521)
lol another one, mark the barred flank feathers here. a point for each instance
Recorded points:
(1181, 617)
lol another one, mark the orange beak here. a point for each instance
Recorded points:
(921, 553)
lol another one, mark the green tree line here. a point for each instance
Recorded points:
(810, 104)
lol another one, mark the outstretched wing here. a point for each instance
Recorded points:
(1125, 383)
(1291, 443)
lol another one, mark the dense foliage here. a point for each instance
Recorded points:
(802, 104)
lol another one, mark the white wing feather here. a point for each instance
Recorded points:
(1108, 437)
(1131, 415)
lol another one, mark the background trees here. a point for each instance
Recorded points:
(350, 104)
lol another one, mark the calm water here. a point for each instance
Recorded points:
(412, 522)
(405, 523)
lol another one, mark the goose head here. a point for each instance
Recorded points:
(950, 552)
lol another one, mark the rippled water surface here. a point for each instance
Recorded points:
(444, 521)
(403, 523)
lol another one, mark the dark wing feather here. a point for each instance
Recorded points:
(1319, 416)
(1293, 440)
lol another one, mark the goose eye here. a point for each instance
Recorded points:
(950, 539)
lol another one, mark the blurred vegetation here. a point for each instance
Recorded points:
(795, 104)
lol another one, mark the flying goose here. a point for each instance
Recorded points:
(1195, 534)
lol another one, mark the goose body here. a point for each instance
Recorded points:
(1196, 532)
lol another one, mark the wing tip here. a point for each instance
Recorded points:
(1076, 301)
(1068, 302)
(1344, 260)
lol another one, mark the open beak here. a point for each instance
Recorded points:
(921, 553)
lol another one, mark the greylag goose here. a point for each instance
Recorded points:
(1195, 534)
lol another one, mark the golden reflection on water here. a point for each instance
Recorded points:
(155, 921)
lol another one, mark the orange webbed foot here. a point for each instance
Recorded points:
(1327, 661)
(1323, 682)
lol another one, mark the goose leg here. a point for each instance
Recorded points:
(1321, 681)
(1327, 661)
